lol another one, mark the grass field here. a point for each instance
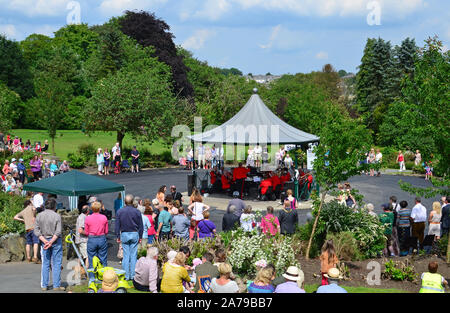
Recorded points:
(308, 289)
(68, 141)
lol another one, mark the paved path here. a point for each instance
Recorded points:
(24, 277)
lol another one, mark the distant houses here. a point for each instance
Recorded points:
(263, 79)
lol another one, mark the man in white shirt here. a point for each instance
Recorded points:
(115, 148)
(288, 162)
(38, 200)
(418, 219)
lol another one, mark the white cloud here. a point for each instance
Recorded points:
(9, 31)
(117, 7)
(36, 7)
(284, 39)
(198, 39)
(322, 55)
(213, 9)
(273, 37)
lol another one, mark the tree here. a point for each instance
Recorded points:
(35, 47)
(136, 100)
(14, 70)
(419, 119)
(342, 73)
(147, 30)
(344, 145)
(79, 38)
(9, 100)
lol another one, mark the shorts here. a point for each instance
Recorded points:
(135, 161)
(31, 238)
(82, 248)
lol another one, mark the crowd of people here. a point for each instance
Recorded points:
(108, 160)
(16, 144)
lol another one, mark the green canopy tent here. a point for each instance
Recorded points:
(74, 184)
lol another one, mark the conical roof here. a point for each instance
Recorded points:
(255, 123)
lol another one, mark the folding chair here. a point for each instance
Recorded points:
(126, 166)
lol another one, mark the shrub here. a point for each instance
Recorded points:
(10, 205)
(399, 271)
(345, 245)
(88, 152)
(76, 161)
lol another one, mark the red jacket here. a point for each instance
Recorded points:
(240, 173)
(225, 183)
(265, 184)
(213, 177)
(275, 181)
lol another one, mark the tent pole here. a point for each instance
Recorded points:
(295, 178)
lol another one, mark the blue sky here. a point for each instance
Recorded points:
(256, 36)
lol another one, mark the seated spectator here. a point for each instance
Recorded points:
(269, 223)
(224, 284)
(110, 282)
(262, 283)
(53, 168)
(230, 220)
(276, 280)
(64, 167)
(248, 222)
(206, 228)
(6, 168)
(146, 273)
(174, 274)
(204, 274)
(264, 187)
(370, 208)
(333, 277)
(432, 282)
(294, 281)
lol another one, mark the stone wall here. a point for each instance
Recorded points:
(12, 246)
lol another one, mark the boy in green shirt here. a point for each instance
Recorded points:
(387, 219)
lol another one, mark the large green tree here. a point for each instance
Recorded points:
(9, 102)
(136, 100)
(14, 69)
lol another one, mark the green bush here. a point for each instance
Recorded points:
(76, 161)
(400, 271)
(345, 245)
(88, 152)
(10, 205)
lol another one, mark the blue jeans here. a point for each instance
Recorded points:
(150, 239)
(97, 246)
(130, 241)
(52, 256)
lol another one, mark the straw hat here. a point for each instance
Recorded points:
(110, 280)
(333, 273)
(292, 273)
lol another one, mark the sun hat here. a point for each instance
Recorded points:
(20, 160)
(333, 273)
(292, 273)
(13, 160)
(155, 201)
(110, 280)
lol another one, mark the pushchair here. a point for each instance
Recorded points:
(126, 166)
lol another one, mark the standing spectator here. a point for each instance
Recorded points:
(129, 229)
(36, 165)
(204, 274)
(288, 219)
(197, 208)
(238, 203)
(328, 259)
(224, 284)
(115, 148)
(117, 159)
(418, 218)
(174, 273)
(80, 238)
(161, 194)
(230, 221)
(269, 223)
(138, 204)
(206, 228)
(378, 160)
(403, 227)
(401, 161)
(96, 228)
(201, 156)
(134, 160)
(387, 220)
(21, 170)
(213, 156)
(333, 276)
(247, 219)
(370, 211)
(151, 217)
(417, 158)
(428, 171)
(288, 162)
(38, 201)
(432, 282)
(147, 225)
(445, 219)
(434, 220)
(262, 283)
(292, 200)
(146, 272)
(164, 224)
(118, 203)
(107, 160)
(28, 217)
(100, 161)
(64, 168)
(181, 225)
(48, 229)
(294, 281)
(371, 161)
(177, 196)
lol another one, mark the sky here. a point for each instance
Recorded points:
(255, 36)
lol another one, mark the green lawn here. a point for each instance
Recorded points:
(68, 141)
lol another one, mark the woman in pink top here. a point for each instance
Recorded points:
(269, 223)
(96, 228)
(401, 161)
(151, 217)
